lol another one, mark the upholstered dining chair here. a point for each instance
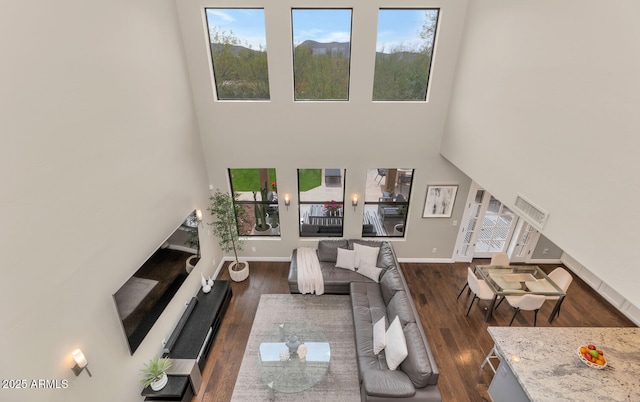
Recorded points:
(382, 173)
(526, 302)
(500, 259)
(478, 287)
(563, 279)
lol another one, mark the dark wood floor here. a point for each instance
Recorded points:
(459, 343)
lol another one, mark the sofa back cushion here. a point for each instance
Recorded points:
(328, 249)
(390, 283)
(400, 307)
(386, 258)
(416, 366)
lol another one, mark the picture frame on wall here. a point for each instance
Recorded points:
(439, 201)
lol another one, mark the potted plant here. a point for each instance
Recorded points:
(398, 229)
(225, 227)
(193, 242)
(154, 373)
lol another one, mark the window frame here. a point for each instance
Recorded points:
(379, 203)
(241, 203)
(323, 202)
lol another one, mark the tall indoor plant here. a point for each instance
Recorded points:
(260, 210)
(225, 227)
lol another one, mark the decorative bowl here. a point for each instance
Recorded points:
(591, 364)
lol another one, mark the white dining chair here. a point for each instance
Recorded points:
(500, 259)
(478, 287)
(526, 302)
(563, 279)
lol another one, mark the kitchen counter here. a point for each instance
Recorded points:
(545, 363)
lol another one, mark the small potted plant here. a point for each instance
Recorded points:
(225, 227)
(154, 373)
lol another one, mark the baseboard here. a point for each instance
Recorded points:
(427, 260)
(543, 261)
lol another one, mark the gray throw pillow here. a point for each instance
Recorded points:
(328, 249)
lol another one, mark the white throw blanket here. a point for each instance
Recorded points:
(309, 273)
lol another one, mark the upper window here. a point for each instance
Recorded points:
(239, 53)
(322, 50)
(321, 199)
(257, 211)
(386, 202)
(404, 53)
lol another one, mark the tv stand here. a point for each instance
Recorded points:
(192, 340)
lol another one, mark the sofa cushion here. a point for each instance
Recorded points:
(369, 271)
(387, 383)
(390, 283)
(366, 253)
(395, 349)
(386, 257)
(400, 307)
(416, 366)
(328, 249)
(346, 259)
(379, 335)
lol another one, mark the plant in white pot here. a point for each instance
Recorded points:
(154, 373)
(225, 227)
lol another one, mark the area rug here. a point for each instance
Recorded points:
(332, 315)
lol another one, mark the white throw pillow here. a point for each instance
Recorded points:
(346, 259)
(396, 348)
(366, 253)
(379, 336)
(369, 271)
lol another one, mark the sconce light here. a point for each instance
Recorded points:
(287, 200)
(81, 363)
(354, 201)
(199, 216)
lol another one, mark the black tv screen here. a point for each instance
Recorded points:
(144, 296)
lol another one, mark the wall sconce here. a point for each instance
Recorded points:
(287, 200)
(81, 363)
(199, 216)
(354, 201)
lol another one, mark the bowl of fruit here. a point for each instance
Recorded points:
(592, 357)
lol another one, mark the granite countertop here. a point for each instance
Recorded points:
(545, 362)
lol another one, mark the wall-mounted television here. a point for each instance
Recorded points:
(144, 296)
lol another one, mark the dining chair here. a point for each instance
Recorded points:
(382, 173)
(479, 288)
(526, 302)
(563, 279)
(500, 259)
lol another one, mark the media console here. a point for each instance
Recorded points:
(191, 340)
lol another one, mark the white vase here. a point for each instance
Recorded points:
(159, 384)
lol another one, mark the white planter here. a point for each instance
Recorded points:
(398, 229)
(239, 275)
(191, 263)
(159, 384)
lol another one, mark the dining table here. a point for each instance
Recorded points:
(518, 280)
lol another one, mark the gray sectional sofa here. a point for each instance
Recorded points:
(417, 376)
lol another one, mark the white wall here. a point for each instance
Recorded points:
(355, 135)
(100, 161)
(545, 104)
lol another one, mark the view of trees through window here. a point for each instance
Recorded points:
(404, 52)
(257, 201)
(322, 53)
(322, 50)
(239, 53)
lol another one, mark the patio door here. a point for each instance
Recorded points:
(487, 227)
(524, 241)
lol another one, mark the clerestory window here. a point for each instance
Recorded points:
(238, 46)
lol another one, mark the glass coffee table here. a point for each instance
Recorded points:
(294, 357)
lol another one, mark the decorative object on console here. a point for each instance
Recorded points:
(154, 373)
(81, 363)
(225, 227)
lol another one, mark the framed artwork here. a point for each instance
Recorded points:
(439, 201)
